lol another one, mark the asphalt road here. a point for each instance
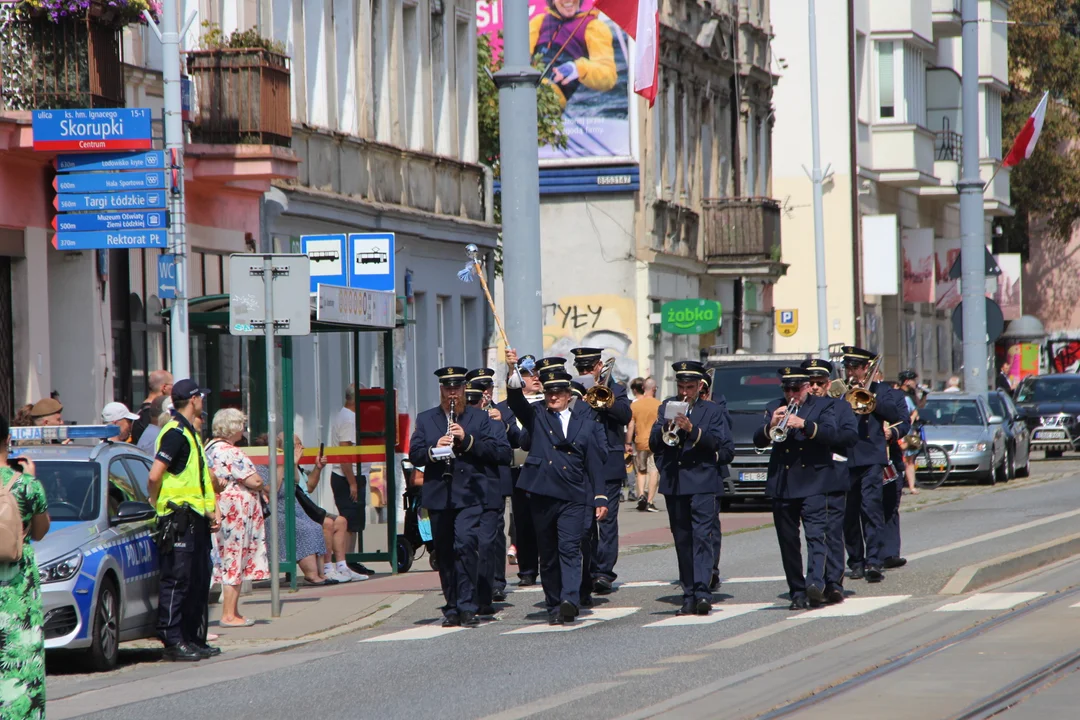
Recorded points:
(631, 657)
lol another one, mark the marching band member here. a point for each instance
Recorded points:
(563, 475)
(454, 443)
(686, 450)
(522, 533)
(722, 461)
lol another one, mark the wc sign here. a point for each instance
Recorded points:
(166, 274)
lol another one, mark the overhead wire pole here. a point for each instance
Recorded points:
(970, 187)
(817, 177)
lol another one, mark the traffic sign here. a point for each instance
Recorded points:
(133, 220)
(97, 129)
(87, 162)
(787, 322)
(247, 293)
(109, 182)
(995, 320)
(356, 306)
(372, 265)
(327, 254)
(134, 200)
(105, 240)
(166, 273)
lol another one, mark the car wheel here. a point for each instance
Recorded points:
(1000, 473)
(725, 505)
(1053, 454)
(1010, 465)
(1026, 470)
(104, 650)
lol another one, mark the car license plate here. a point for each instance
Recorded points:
(752, 477)
(1050, 435)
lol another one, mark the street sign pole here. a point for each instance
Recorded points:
(271, 440)
(174, 155)
(817, 178)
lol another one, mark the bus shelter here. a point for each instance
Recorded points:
(208, 319)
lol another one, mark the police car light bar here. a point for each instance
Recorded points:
(63, 432)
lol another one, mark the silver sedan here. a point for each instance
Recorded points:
(974, 438)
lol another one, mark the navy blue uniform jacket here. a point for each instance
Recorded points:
(613, 422)
(723, 458)
(870, 448)
(482, 446)
(847, 434)
(803, 464)
(691, 467)
(513, 436)
(566, 468)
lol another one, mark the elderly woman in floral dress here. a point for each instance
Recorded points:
(241, 540)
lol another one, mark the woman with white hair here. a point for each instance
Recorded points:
(241, 539)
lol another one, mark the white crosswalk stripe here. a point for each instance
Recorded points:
(852, 607)
(587, 618)
(718, 613)
(658, 583)
(990, 601)
(424, 632)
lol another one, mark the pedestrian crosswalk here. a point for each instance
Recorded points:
(991, 601)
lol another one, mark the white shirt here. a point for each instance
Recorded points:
(342, 430)
(564, 418)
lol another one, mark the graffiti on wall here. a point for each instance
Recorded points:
(604, 321)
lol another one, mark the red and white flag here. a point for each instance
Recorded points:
(1024, 144)
(641, 21)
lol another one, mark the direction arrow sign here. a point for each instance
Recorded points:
(166, 273)
(86, 162)
(109, 182)
(99, 129)
(121, 240)
(136, 200)
(134, 220)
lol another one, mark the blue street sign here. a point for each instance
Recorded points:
(371, 258)
(87, 162)
(135, 200)
(90, 130)
(133, 220)
(109, 182)
(328, 261)
(120, 240)
(166, 277)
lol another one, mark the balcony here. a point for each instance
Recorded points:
(742, 237)
(910, 20)
(946, 14)
(903, 155)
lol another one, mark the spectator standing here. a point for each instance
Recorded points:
(241, 539)
(161, 384)
(117, 413)
(159, 416)
(952, 384)
(643, 415)
(1002, 381)
(347, 484)
(47, 412)
(22, 639)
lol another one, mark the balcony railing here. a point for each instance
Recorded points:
(948, 145)
(746, 229)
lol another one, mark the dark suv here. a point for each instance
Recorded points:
(1050, 405)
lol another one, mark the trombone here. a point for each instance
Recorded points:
(858, 396)
(779, 433)
(600, 395)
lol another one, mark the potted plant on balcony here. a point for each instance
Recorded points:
(242, 88)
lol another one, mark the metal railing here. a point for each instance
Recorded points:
(741, 227)
(948, 145)
(242, 96)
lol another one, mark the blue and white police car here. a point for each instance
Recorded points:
(99, 563)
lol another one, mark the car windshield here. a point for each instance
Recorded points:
(747, 389)
(1050, 390)
(72, 488)
(951, 412)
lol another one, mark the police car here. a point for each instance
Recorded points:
(98, 564)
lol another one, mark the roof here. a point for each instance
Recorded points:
(212, 311)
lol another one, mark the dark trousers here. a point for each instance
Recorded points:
(588, 547)
(559, 525)
(184, 589)
(489, 560)
(717, 537)
(690, 517)
(835, 516)
(813, 513)
(499, 554)
(456, 534)
(524, 530)
(604, 535)
(864, 521)
(891, 494)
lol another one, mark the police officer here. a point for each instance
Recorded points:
(455, 443)
(690, 480)
(604, 536)
(864, 523)
(563, 474)
(723, 459)
(847, 434)
(802, 482)
(522, 532)
(182, 491)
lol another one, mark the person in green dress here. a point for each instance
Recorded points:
(22, 640)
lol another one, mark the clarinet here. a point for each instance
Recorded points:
(448, 473)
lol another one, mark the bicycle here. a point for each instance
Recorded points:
(932, 463)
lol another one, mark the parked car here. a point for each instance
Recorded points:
(1050, 405)
(99, 562)
(1017, 434)
(974, 437)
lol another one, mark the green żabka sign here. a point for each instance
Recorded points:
(690, 317)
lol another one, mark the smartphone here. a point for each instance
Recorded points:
(322, 446)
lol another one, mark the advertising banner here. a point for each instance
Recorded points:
(585, 56)
(917, 249)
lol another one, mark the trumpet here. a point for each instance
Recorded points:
(600, 395)
(671, 430)
(779, 433)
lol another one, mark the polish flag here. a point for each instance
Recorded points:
(1025, 141)
(641, 21)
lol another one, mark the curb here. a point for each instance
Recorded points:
(988, 572)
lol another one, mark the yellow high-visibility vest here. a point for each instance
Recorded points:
(185, 487)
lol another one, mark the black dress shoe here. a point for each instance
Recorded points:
(714, 584)
(874, 575)
(207, 651)
(799, 603)
(686, 609)
(453, 620)
(834, 594)
(602, 586)
(895, 562)
(360, 568)
(568, 611)
(527, 580)
(816, 595)
(485, 611)
(586, 601)
(703, 606)
(858, 572)
(182, 652)
(554, 620)
(469, 620)
(498, 595)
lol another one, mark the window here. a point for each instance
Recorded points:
(991, 144)
(886, 84)
(440, 83)
(414, 128)
(440, 331)
(140, 474)
(470, 333)
(901, 83)
(860, 76)
(120, 488)
(763, 158)
(465, 48)
(379, 75)
(750, 166)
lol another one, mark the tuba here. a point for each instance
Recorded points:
(600, 396)
(861, 400)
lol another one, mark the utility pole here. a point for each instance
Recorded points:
(970, 187)
(520, 174)
(817, 177)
